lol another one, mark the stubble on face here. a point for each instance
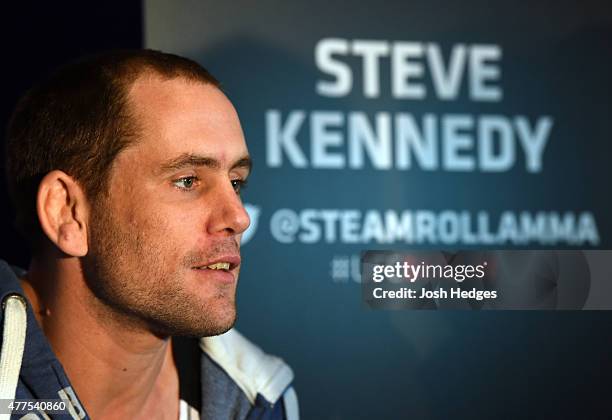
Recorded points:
(132, 272)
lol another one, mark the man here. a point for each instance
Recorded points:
(125, 170)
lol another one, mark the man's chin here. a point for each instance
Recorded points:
(217, 326)
(165, 331)
(208, 329)
(218, 331)
(211, 323)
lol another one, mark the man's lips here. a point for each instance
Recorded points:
(217, 263)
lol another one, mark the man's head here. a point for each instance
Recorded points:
(132, 162)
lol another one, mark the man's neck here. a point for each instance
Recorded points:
(118, 369)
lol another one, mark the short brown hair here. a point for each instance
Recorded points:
(78, 121)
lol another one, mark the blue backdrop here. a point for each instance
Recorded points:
(410, 125)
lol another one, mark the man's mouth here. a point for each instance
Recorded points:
(222, 269)
(217, 266)
(222, 263)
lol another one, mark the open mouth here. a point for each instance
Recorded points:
(222, 265)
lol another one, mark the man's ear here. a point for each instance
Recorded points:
(63, 212)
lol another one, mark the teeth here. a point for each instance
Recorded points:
(219, 266)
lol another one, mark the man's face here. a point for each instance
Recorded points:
(172, 211)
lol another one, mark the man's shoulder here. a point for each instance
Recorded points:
(254, 371)
(263, 381)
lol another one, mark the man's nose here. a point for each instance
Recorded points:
(228, 215)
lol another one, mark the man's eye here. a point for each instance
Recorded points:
(185, 183)
(238, 185)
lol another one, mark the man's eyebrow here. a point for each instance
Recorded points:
(187, 160)
(244, 162)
